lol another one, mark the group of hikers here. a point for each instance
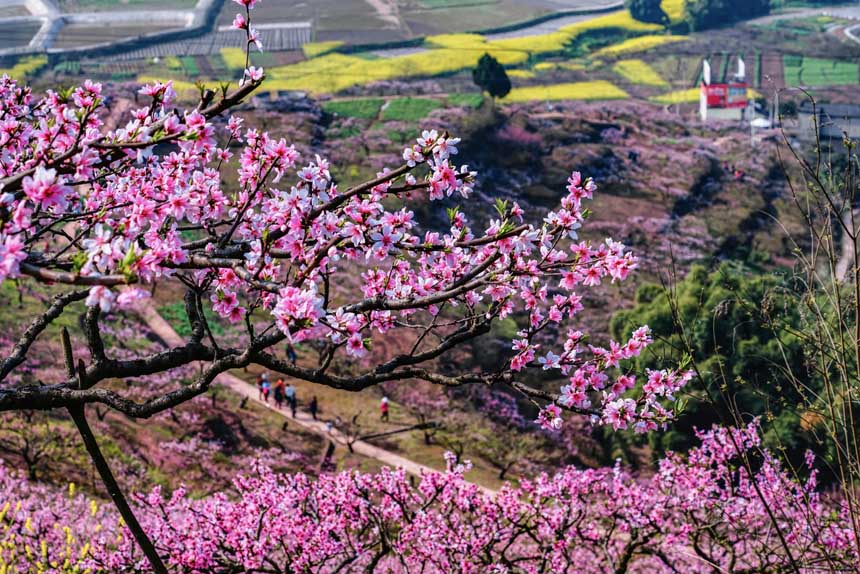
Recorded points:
(287, 392)
(283, 392)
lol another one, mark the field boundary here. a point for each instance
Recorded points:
(417, 42)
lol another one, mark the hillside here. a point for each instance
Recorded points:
(666, 189)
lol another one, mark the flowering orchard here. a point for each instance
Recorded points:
(698, 514)
(95, 213)
(108, 210)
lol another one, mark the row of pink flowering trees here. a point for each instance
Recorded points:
(92, 214)
(698, 514)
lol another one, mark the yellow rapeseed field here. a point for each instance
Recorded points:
(690, 96)
(555, 41)
(173, 62)
(638, 72)
(521, 74)
(234, 58)
(621, 19)
(546, 66)
(594, 90)
(326, 71)
(639, 44)
(334, 72)
(25, 67)
(314, 49)
(674, 9)
(455, 41)
(538, 44)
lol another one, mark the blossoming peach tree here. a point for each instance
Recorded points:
(698, 514)
(95, 213)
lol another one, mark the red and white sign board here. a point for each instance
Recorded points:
(725, 95)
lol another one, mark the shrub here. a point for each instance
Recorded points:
(647, 11)
(490, 76)
(702, 14)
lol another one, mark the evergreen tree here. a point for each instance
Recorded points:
(702, 14)
(647, 11)
(490, 76)
(743, 325)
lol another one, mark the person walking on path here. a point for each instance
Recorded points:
(291, 398)
(267, 389)
(383, 409)
(279, 393)
(291, 353)
(314, 407)
(263, 386)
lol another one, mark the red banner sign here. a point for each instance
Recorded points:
(725, 95)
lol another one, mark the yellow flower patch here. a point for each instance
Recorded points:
(234, 58)
(674, 9)
(25, 66)
(521, 74)
(639, 44)
(314, 49)
(638, 72)
(594, 90)
(688, 96)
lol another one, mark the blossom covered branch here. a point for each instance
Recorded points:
(699, 514)
(113, 209)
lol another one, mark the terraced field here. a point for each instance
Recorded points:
(105, 5)
(817, 72)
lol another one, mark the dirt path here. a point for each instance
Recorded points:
(850, 12)
(162, 328)
(388, 11)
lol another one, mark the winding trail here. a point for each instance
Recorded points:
(146, 310)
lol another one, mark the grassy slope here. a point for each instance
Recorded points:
(137, 448)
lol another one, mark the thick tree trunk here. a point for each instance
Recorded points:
(114, 490)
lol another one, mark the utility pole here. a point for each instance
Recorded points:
(775, 121)
(752, 127)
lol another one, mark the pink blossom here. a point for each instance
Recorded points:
(46, 189)
(100, 296)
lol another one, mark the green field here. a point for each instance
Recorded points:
(819, 72)
(467, 100)
(409, 109)
(367, 108)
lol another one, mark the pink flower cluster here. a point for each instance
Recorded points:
(699, 514)
(278, 245)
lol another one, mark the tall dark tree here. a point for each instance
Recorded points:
(490, 76)
(647, 11)
(702, 14)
